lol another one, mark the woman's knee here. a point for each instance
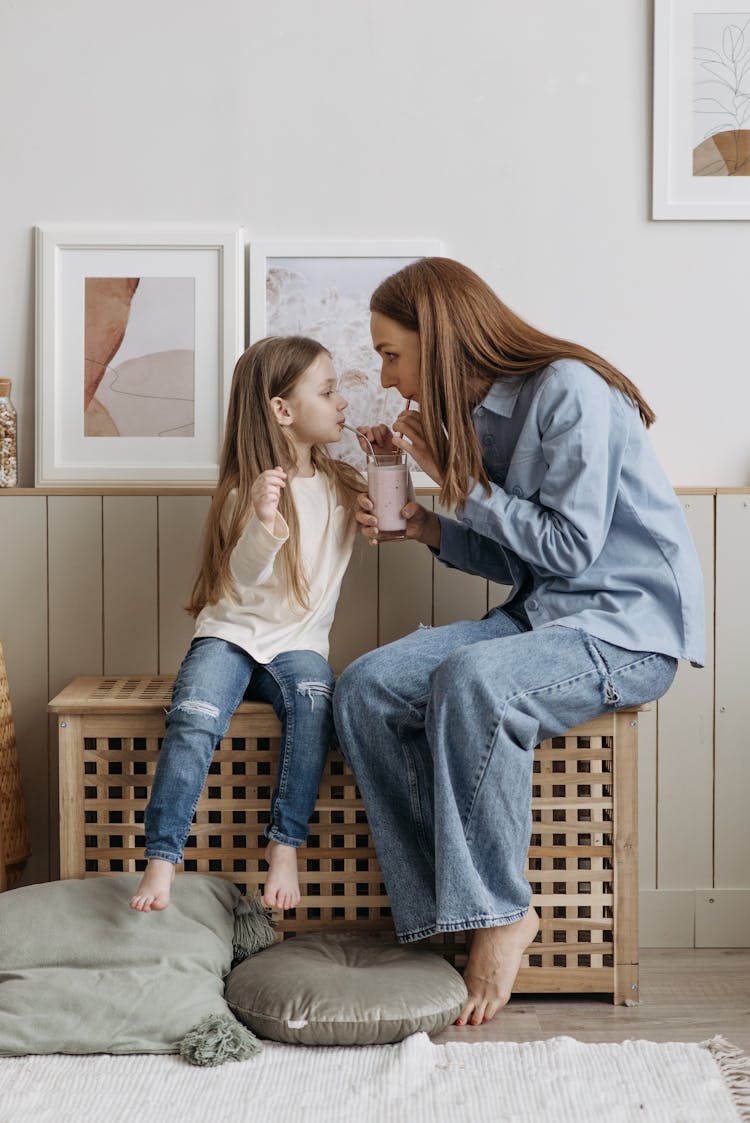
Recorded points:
(458, 676)
(359, 686)
(353, 680)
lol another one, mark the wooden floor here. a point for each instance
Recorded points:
(686, 995)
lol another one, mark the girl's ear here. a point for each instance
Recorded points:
(281, 411)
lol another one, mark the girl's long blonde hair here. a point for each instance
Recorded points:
(467, 338)
(254, 442)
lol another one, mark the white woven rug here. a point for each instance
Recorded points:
(555, 1081)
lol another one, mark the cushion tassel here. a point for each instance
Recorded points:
(218, 1038)
(252, 928)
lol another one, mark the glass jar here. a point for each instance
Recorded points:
(8, 437)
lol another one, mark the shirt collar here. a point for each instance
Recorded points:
(502, 395)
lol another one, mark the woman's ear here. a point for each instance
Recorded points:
(281, 411)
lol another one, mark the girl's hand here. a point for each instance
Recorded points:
(379, 436)
(410, 438)
(265, 495)
(421, 524)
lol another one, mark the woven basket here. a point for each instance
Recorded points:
(14, 834)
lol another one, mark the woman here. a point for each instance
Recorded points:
(541, 447)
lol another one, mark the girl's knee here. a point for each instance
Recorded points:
(318, 692)
(309, 666)
(316, 682)
(195, 713)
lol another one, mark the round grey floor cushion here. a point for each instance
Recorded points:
(343, 989)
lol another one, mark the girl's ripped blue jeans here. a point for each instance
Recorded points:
(214, 678)
(439, 729)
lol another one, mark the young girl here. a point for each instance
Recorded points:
(540, 446)
(278, 540)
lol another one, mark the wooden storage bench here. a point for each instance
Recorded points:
(582, 862)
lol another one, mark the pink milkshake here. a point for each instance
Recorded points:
(388, 487)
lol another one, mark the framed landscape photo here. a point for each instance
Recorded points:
(137, 334)
(323, 289)
(701, 158)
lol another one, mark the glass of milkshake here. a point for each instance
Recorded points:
(388, 488)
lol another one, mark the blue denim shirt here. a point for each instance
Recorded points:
(580, 515)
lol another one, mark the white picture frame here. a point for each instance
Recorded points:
(701, 109)
(139, 420)
(322, 289)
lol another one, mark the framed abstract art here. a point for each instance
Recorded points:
(701, 157)
(137, 334)
(323, 289)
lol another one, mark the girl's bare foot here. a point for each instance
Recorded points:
(281, 890)
(494, 960)
(155, 886)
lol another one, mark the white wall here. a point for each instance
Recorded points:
(518, 133)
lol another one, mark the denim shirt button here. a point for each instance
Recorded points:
(532, 605)
(517, 491)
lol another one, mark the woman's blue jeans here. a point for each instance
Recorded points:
(214, 678)
(439, 729)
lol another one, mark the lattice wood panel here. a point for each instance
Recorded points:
(339, 874)
(110, 736)
(570, 865)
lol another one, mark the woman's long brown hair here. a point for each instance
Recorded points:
(254, 442)
(467, 338)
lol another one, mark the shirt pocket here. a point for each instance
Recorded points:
(495, 459)
(526, 475)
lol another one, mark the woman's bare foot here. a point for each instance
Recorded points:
(155, 886)
(494, 960)
(281, 890)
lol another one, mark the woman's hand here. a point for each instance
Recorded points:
(421, 524)
(265, 495)
(379, 436)
(408, 426)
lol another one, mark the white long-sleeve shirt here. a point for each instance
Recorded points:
(263, 621)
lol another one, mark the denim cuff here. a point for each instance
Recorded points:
(163, 855)
(275, 835)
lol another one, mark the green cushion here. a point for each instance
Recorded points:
(342, 989)
(81, 972)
